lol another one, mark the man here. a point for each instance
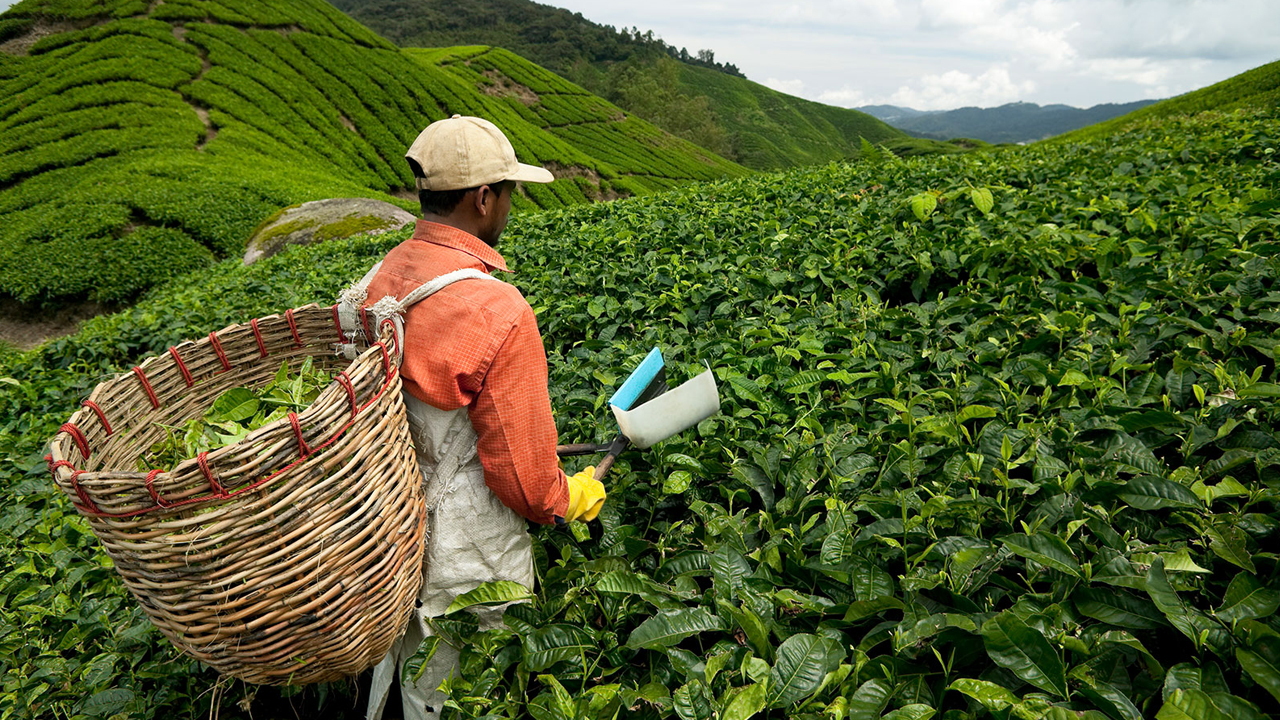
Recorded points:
(475, 380)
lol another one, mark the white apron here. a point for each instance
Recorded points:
(472, 538)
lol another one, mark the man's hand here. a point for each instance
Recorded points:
(586, 496)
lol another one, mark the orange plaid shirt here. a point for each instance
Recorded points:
(475, 344)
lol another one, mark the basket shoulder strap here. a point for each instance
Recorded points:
(349, 303)
(435, 285)
(389, 308)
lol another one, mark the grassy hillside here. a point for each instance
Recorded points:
(138, 141)
(998, 440)
(1256, 88)
(770, 129)
(747, 122)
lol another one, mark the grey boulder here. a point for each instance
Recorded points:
(321, 220)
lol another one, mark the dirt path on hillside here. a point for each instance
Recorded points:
(25, 328)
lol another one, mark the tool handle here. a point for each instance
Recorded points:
(580, 449)
(615, 449)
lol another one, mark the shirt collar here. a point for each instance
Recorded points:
(451, 237)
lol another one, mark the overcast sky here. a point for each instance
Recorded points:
(942, 54)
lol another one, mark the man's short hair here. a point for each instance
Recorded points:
(444, 202)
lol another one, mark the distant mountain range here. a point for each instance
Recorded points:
(1012, 123)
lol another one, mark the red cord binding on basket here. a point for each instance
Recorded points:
(364, 322)
(293, 327)
(102, 417)
(146, 385)
(257, 335)
(337, 325)
(78, 437)
(394, 336)
(186, 374)
(297, 432)
(85, 501)
(345, 382)
(151, 489)
(217, 348)
(203, 459)
(386, 359)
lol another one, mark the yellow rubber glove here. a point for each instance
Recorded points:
(586, 496)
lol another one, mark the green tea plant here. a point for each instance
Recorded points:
(997, 440)
(295, 99)
(236, 413)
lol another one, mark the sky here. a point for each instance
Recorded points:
(944, 54)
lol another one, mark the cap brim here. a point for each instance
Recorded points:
(533, 174)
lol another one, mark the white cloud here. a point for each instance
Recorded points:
(1139, 71)
(955, 89)
(844, 97)
(790, 87)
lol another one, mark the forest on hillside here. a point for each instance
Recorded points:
(558, 39)
(690, 95)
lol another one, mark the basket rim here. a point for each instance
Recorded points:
(57, 460)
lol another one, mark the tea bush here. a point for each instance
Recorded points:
(293, 87)
(997, 440)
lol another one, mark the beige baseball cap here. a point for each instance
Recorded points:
(466, 152)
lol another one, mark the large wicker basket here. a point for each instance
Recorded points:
(291, 557)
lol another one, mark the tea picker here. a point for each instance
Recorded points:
(648, 411)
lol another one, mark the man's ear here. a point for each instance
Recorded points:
(483, 193)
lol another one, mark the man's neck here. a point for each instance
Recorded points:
(458, 221)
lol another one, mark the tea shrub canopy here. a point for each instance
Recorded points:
(200, 119)
(997, 440)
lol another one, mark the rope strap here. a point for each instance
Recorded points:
(297, 432)
(217, 348)
(293, 327)
(337, 324)
(257, 335)
(186, 374)
(146, 385)
(364, 322)
(345, 382)
(78, 437)
(214, 485)
(151, 489)
(102, 417)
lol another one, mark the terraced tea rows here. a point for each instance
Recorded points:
(998, 440)
(193, 121)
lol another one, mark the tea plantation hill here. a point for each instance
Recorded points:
(1256, 88)
(1007, 453)
(697, 98)
(143, 140)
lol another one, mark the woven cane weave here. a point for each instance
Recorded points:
(290, 557)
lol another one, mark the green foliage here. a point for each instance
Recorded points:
(549, 36)
(236, 413)
(1010, 461)
(724, 112)
(654, 93)
(193, 120)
